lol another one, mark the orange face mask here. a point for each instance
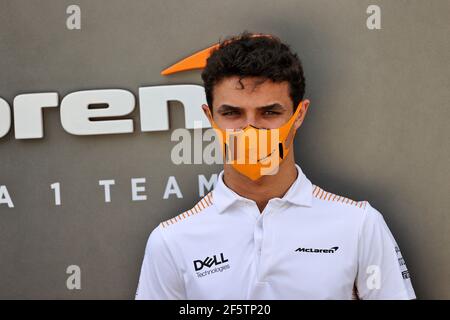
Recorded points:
(255, 152)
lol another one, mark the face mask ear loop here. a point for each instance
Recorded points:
(294, 116)
(280, 149)
(290, 124)
(226, 153)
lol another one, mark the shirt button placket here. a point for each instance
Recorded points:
(262, 242)
(258, 237)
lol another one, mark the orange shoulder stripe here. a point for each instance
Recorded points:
(203, 203)
(328, 196)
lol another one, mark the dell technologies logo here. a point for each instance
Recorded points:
(209, 262)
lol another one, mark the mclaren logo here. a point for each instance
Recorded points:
(314, 250)
(106, 111)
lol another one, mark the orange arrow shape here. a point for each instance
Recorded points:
(198, 59)
(194, 61)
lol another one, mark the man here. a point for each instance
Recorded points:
(268, 233)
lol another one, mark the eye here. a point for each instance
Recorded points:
(271, 113)
(229, 113)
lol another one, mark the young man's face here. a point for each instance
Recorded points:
(261, 103)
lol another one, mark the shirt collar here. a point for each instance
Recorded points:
(299, 193)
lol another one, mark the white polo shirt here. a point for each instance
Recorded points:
(310, 244)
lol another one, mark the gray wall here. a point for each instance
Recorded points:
(377, 128)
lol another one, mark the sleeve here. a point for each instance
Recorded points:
(160, 279)
(382, 272)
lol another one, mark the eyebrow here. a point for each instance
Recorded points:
(271, 107)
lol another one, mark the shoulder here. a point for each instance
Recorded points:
(189, 217)
(162, 237)
(367, 217)
(358, 213)
(328, 199)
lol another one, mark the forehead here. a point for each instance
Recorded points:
(251, 92)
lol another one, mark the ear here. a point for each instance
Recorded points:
(207, 111)
(301, 114)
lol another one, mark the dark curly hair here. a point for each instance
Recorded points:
(254, 55)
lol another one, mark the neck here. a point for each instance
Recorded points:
(265, 188)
